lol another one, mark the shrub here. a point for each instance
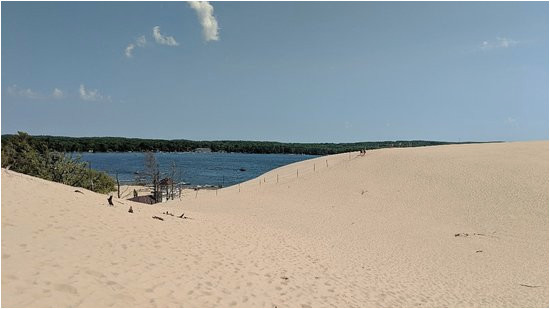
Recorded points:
(22, 154)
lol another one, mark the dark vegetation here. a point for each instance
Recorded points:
(121, 144)
(34, 156)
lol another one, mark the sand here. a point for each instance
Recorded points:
(458, 225)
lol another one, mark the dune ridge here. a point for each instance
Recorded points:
(456, 225)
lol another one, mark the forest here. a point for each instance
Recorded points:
(122, 144)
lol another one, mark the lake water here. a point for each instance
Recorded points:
(194, 168)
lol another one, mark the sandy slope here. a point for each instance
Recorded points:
(372, 231)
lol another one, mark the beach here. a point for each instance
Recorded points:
(442, 226)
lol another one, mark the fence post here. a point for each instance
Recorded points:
(314, 167)
(296, 173)
(277, 178)
(327, 162)
(239, 187)
(196, 193)
(216, 192)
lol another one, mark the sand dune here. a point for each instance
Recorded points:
(459, 225)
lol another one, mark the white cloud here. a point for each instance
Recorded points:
(512, 121)
(141, 41)
(15, 91)
(205, 13)
(57, 93)
(129, 50)
(505, 42)
(28, 93)
(92, 95)
(162, 39)
(498, 43)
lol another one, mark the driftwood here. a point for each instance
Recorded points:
(530, 286)
(474, 234)
(184, 217)
(78, 191)
(110, 200)
(158, 218)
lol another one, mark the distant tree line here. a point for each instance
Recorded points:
(122, 144)
(33, 156)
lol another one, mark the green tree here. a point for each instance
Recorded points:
(23, 154)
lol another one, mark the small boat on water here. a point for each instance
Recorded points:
(242, 169)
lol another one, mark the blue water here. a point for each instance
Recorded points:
(194, 168)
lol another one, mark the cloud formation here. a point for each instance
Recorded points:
(163, 39)
(57, 93)
(140, 42)
(205, 13)
(91, 95)
(27, 93)
(499, 43)
(129, 49)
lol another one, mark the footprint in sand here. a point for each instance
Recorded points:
(66, 288)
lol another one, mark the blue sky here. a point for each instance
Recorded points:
(297, 72)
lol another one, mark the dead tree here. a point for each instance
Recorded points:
(118, 185)
(152, 172)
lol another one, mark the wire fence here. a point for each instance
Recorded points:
(284, 175)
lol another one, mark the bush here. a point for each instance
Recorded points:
(22, 154)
